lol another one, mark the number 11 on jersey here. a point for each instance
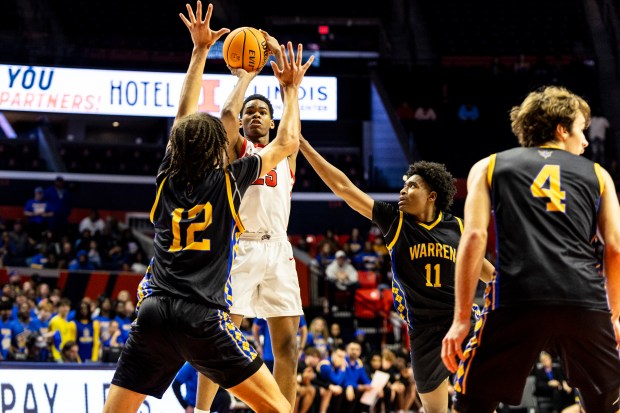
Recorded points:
(436, 268)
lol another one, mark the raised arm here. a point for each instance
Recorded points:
(232, 108)
(469, 259)
(276, 52)
(609, 231)
(337, 181)
(203, 38)
(287, 138)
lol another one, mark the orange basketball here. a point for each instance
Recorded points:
(245, 48)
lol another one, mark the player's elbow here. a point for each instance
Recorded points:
(475, 236)
(612, 251)
(289, 141)
(228, 113)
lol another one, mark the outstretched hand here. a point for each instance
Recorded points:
(292, 72)
(202, 35)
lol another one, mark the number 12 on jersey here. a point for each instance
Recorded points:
(196, 219)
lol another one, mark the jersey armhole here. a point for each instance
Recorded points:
(460, 221)
(231, 203)
(599, 175)
(154, 208)
(490, 169)
(396, 235)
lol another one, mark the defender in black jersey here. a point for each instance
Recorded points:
(548, 293)
(422, 239)
(184, 298)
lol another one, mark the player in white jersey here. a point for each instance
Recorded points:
(263, 274)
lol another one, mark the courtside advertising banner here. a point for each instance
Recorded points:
(63, 391)
(154, 94)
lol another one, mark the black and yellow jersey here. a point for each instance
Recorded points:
(423, 259)
(196, 230)
(545, 202)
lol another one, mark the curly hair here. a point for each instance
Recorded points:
(197, 144)
(534, 122)
(257, 96)
(438, 179)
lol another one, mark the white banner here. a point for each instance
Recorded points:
(63, 391)
(156, 94)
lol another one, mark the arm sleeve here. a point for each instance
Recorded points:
(386, 216)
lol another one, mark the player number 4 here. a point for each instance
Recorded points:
(436, 267)
(196, 219)
(547, 184)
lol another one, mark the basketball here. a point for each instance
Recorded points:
(245, 48)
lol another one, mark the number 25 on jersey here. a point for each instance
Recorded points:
(548, 184)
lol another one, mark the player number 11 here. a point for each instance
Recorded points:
(437, 283)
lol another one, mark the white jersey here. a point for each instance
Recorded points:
(266, 205)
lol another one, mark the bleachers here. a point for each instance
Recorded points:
(507, 28)
(111, 159)
(20, 155)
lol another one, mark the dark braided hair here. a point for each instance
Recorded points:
(438, 179)
(197, 144)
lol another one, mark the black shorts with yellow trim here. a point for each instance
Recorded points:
(509, 341)
(428, 369)
(169, 331)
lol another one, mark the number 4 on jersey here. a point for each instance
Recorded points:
(547, 184)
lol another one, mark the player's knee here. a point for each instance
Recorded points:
(286, 351)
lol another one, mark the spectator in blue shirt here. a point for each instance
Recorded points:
(21, 331)
(38, 212)
(124, 315)
(332, 371)
(356, 380)
(81, 262)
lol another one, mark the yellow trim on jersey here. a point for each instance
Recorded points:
(460, 221)
(232, 204)
(491, 169)
(431, 226)
(400, 224)
(547, 146)
(599, 174)
(157, 200)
